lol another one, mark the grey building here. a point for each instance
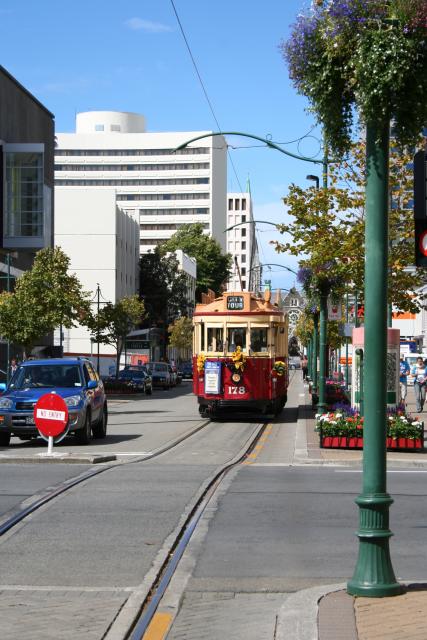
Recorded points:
(27, 142)
(293, 305)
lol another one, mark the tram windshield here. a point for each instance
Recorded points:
(236, 337)
(259, 340)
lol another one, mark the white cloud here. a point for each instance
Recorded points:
(138, 24)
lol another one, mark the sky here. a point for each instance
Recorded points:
(131, 56)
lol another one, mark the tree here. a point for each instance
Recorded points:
(115, 321)
(45, 297)
(329, 224)
(163, 288)
(213, 266)
(181, 333)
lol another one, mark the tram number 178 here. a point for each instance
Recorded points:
(236, 391)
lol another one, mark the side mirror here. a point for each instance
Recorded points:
(92, 384)
(3, 387)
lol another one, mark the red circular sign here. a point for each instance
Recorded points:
(423, 243)
(50, 414)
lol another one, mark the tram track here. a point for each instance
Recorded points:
(16, 515)
(148, 607)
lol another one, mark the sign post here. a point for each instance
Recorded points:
(51, 418)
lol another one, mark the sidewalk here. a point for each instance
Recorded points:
(329, 613)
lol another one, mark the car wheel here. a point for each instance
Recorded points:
(83, 436)
(100, 429)
(4, 439)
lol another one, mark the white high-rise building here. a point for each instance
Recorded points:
(101, 241)
(246, 269)
(112, 150)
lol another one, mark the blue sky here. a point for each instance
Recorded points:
(131, 56)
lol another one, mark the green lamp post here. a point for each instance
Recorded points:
(374, 575)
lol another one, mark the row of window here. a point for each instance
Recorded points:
(236, 337)
(120, 182)
(173, 212)
(187, 151)
(151, 241)
(167, 226)
(24, 194)
(174, 196)
(235, 204)
(177, 166)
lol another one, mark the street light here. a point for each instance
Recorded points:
(314, 178)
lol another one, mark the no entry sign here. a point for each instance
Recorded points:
(50, 415)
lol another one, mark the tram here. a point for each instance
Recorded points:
(240, 347)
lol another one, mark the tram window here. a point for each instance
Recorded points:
(236, 337)
(215, 339)
(202, 336)
(259, 340)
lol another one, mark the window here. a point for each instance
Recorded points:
(24, 194)
(243, 258)
(115, 127)
(243, 246)
(230, 204)
(215, 339)
(236, 337)
(243, 271)
(243, 218)
(259, 340)
(243, 233)
(244, 204)
(99, 127)
(243, 284)
(237, 204)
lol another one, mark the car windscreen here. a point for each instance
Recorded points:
(48, 376)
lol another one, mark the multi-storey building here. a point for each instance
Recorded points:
(162, 188)
(102, 242)
(27, 138)
(242, 244)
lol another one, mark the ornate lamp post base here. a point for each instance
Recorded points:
(374, 576)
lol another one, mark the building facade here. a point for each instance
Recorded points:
(161, 188)
(27, 138)
(246, 272)
(102, 242)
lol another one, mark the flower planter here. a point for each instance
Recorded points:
(341, 442)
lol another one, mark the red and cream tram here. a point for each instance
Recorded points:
(240, 348)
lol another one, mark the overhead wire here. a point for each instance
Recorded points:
(202, 85)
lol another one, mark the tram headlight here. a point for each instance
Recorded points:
(236, 377)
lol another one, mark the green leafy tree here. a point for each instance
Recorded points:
(115, 321)
(213, 266)
(181, 334)
(45, 297)
(328, 228)
(163, 287)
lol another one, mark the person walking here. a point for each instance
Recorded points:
(304, 366)
(420, 379)
(403, 380)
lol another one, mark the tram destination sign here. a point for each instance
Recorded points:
(235, 303)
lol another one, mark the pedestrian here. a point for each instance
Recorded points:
(304, 365)
(13, 367)
(420, 379)
(403, 380)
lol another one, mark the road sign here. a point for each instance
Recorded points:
(421, 242)
(51, 415)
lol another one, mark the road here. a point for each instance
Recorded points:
(272, 528)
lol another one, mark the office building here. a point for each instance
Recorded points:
(161, 188)
(246, 271)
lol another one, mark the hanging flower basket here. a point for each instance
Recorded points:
(279, 369)
(369, 54)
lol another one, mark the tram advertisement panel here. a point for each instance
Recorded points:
(213, 377)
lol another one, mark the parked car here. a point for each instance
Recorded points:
(138, 377)
(294, 362)
(160, 374)
(185, 370)
(74, 379)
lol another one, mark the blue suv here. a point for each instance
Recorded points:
(74, 379)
